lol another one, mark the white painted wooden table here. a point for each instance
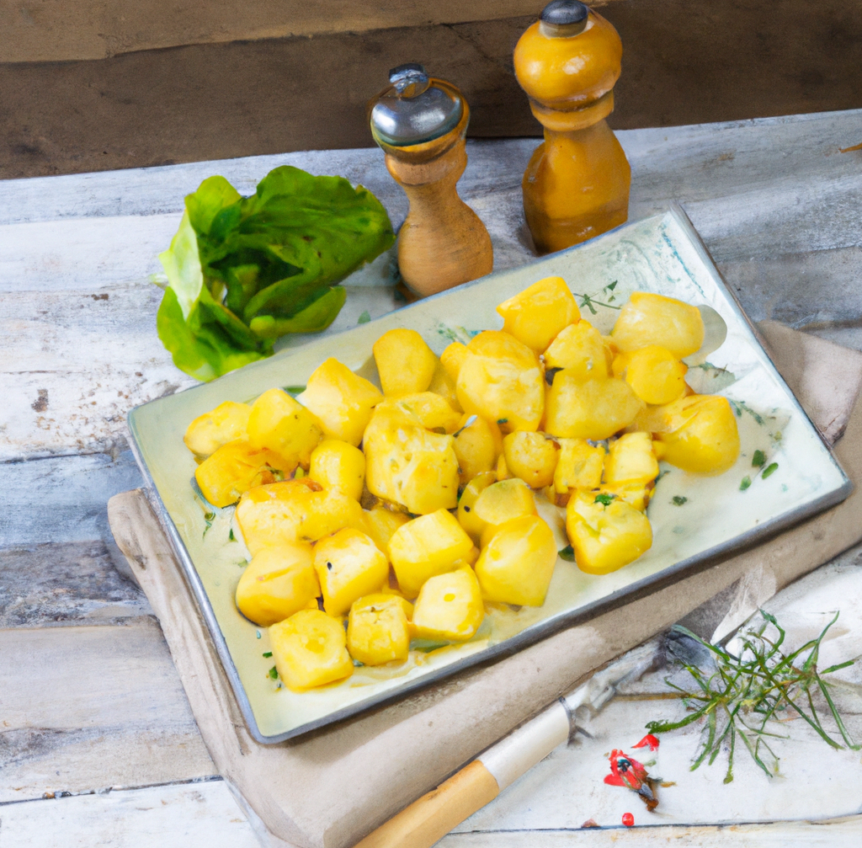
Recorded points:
(97, 743)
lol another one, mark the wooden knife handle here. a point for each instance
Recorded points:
(429, 819)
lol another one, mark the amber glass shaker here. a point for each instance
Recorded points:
(577, 183)
(420, 123)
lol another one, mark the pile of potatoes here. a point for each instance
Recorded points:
(406, 510)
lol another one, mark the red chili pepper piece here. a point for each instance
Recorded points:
(628, 819)
(649, 741)
(625, 771)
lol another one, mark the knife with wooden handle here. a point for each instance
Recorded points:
(436, 813)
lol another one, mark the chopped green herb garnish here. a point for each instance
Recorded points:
(364, 318)
(604, 499)
(661, 474)
(502, 420)
(426, 646)
(299, 473)
(268, 653)
(295, 390)
(770, 469)
(759, 459)
(591, 303)
(567, 553)
(740, 407)
(679, 500)
(550, 373)
(746, 482)
(273, 673)
(611, 286)
(230, 536)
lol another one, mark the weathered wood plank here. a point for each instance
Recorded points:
(99, 30)
(63, 584)
(185, 816)
(62, 499)
(833, 833)
(78, 361)
(87, 708)
(684, 63)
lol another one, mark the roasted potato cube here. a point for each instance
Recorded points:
(310, 649)
(405, 363)
(409, 465)
(698, 433)
(605, 536)
(517, 564)
(380, 523)
(631, 459)
(655, 375)
(235, 468)
(341, 400)
(539, 312)
(634, 494)
(378, 629)
(595, 409)
(348, 565)
(453, 358)
(226, 423)
(501, 502)
(444, 385)
(449, 606)
(293, 511)
(338, 465)
(283, 425)
(478, 443)
(426, 546)
(579, 466)
(652, 319)
(580, 349)
(428, 409)
(501, 380)
(277, 583)
(467, 503)
(532, 457)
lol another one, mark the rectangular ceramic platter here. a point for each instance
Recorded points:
(695, 519)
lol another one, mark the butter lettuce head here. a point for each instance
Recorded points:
(243, 271)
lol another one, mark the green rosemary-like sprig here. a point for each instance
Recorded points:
(739, 699)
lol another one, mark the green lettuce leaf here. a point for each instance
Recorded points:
(243, 271)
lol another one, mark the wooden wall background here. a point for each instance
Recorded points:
(102, 84)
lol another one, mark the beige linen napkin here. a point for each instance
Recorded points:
(330, 788)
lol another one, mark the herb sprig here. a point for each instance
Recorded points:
(740, 698)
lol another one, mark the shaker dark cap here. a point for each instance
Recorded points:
(410, 79)
(413, 109)
(570, 15)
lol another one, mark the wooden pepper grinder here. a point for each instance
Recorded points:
(577, 183)
(420, 123)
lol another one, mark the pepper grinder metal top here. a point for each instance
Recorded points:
(413, 110)
(420, 122)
